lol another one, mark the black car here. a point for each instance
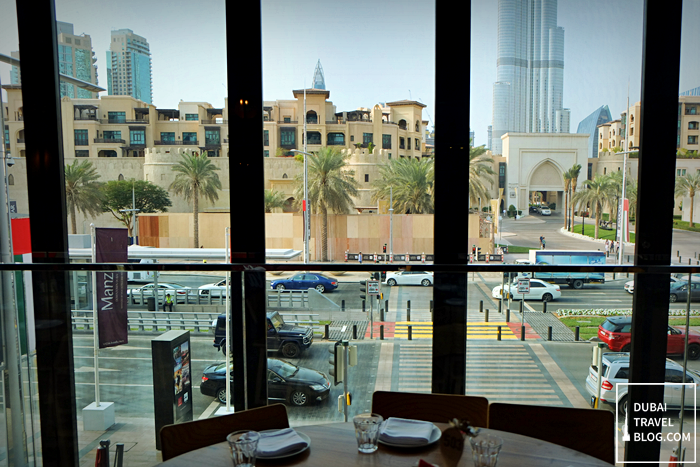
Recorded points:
(533, 209)
(289, 339)
(293, 384)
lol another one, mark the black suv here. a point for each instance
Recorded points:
(287, 338)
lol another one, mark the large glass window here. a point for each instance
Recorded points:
(189, 136)
(168, 136)
(191, 117)
(212, 137)
(112, 135)
(287, 138)
(137, 137)
(116, 117)
(336, 139)
(81, 137)
(386, 141)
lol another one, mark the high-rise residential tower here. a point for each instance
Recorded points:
(590, 124)
(528, 93)
(129, 66)
(319, 81)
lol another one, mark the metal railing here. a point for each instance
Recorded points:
(109, 140)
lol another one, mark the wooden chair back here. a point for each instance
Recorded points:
(439, 408)
(184, 437)
(588, 431)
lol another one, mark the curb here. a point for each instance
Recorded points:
(586, 237)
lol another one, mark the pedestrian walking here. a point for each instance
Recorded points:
(543, 243)
(168, 303)
(607, 248)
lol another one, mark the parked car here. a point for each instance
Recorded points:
(545, 212)
(215, 289)
(629, 285)
(616, 332)
(679, 292)
(410, 278)
(534, 210)
(306, 280)
(175, 290)
(293, 384)
(616, 370)
(539, 290)
(287, 338)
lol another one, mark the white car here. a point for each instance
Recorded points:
(629, 285)
(539, 290)
(545, 212)
(215, 289)
(180, 291)
(410, 278)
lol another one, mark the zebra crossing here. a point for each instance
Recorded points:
(475, 330)
(501, 372)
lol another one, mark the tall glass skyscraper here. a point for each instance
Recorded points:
(129, 66)
(319, 81)
(528, 93)
(590, 124)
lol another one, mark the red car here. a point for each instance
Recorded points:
(616, 332)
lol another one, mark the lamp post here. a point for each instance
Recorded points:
(391, 221)
(133, 212)
(307, 221)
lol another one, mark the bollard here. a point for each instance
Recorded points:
(522, 305)
(688, 261)
(432, 305)
(522, 333)
(354, 331)
(500, 306)
(408, 310)
(613, 276)
(576, 333)
(342, 305)
(498, 336)
(381, 332)
(544, 307)
(386, 306)
(486, 316)
(410, 333)
(507, 315)
(328, 331)
(363, 305)
(481, 306)
(549, 333)
(678, 253)
(680, 260)
(381, 314)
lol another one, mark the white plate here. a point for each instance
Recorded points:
(292, 453)
(435, 435)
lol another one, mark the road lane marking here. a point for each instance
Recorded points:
(212, 407)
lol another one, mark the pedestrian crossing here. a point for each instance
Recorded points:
(475, 330)
(509, 373)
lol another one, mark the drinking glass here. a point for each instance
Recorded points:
(485, 449)
(367, 431)
(243, 445)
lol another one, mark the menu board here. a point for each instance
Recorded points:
(182, 380)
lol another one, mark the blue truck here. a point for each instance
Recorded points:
(569, 258)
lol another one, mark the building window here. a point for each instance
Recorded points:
(137, 137)
(81, 137)
(352, 138)
(605, 170)
(111, 135)
(116, 117)
(386, 141)
(82, 153)
(366, 178)
(692, 140)
(192, 117)
(189, 136)
(367, 138)
(121, 177)
(314, 137)
(266, 153)
(693, 125)
(389, 155)
(213, 153)
(211, 137)
(417, 146)
(287, 119)
(680, 172)
(691, 110)
(266, 137)
(408, 140)
(167, 136)
(402, 124)
(288, 138)
(335, 139)
(10, 179)
(311, 117)
(402, 142)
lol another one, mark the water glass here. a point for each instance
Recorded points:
(485, 449)
(367, 431)
(244, 446)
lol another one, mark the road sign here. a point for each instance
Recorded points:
(373, 287)
(523, 285)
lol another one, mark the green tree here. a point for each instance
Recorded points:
(599, 192)
(688, 185)
(196, 176)
(82, 191)
(274, 199)
(412, 181)
(331, 187)
(147, 197)
(480, 174)
(574, 172)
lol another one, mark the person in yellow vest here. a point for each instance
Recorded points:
(168, 303)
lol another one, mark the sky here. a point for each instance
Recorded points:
(371, 51)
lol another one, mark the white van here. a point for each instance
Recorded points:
(141, 276)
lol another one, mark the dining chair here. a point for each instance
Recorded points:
(588, 431)
(439, 408)
(184, 437)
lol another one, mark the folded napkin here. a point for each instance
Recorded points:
(280, 442)
(406, 432)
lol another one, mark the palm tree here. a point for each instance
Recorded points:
(196, 176)
(82, 191)
(480, 174)
(599, 192)
(567, 187)
(411, 182)
(575, 171)
(688, 185)
(274, 199)
(331, 186)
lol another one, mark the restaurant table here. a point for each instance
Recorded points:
(334, 445)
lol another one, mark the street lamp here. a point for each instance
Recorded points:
(133, 210)
(305, 205)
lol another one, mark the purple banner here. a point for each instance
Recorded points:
(111, 247)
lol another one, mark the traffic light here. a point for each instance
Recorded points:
(384, 248)
(376, 276)
(363, 290)
(337, 362)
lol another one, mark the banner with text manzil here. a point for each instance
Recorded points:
(111, 247)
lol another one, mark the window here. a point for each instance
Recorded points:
(266, 137)
(367, 138)
(366, 178)
(402, 142)
(691, 109)
(288, 138)
(211, 137)
(386, 141)
(167, 136)
(137, 137)
(192, 117)
(417, 146)
(352, 138)
(408, 140)
(111, 135)
(266, 153)
(189, 136)
(311, 117)
(116, 117)
(692, 125)
(287, 119)
(10, 179)
(680, 172)
(335, 139)
(81, 137)
(82, 153)
(693, 139)
(314, 137)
